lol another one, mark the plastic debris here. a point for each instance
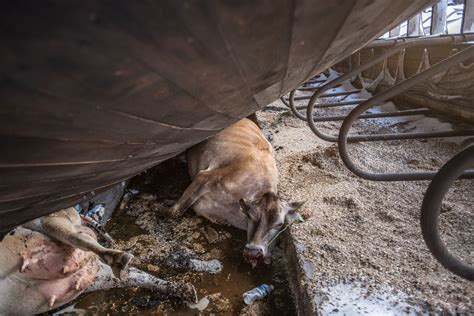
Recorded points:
(96, 212)
(257, 293)
(211, 266)
(92, 218)
(201, 305)
(134, 191)
(125, 199)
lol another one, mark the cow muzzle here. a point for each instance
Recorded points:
(256, 254)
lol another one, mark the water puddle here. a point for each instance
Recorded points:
(354, 298)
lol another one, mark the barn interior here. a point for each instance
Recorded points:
(371, 125)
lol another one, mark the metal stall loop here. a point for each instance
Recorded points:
(430, 211)
(385, 95)
(397, 47)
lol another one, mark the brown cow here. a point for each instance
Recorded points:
(235, 180)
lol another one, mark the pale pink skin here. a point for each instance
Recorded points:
(38, 274)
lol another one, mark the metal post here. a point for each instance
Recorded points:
(395, 32)
(414, 26)
(468, 17)
(438, 17)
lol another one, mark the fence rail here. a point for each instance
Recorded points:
(444, 17)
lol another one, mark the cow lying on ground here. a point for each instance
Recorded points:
(51, 260)
(235, 182)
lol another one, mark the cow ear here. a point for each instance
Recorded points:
(291, 214)
(292, 207)
(268, 197)
(244, 206)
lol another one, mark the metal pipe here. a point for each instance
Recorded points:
(310, 88)
(385, 95)
(315, 81)
(327, 95)
(333, 105)
(468, 17)
(340, 103)
(375, 115)
(438, 17)
(284, 101)
(395, 136)
(303, 88)
(430, 211)
(403, 44)
(424, 41)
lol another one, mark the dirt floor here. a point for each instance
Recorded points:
(361, 249)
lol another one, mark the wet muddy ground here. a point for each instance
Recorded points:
(163, 245)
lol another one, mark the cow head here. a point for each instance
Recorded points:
(265, 219)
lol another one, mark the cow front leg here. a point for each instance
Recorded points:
(138, 278)
(199, 187)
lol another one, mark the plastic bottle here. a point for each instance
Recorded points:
(257, 293)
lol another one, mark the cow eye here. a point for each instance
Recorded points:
(278, 226)
(246, 212)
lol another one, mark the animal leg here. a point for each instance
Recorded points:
(64, 231)
(196, 189)
(137, 278)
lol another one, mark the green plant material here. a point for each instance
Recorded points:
(297, 219)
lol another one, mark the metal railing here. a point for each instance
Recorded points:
(444, 17)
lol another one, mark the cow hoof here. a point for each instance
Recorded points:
(118, 261)
(175, 212)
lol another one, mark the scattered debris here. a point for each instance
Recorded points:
(257, 293)
(211, 266)
(211, 235)
(92, 217)
(256, 309)
(137, 278)
(125, 199)
(147, 196)
(201, 305)
(218, 303)
(185, 259)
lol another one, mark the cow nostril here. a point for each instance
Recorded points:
(254, 249)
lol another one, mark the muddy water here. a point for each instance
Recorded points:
(140, 221)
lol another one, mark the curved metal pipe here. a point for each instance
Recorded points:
(398, 46)
(282, 99)
(430, 211)
(385, 95)
(293, 107)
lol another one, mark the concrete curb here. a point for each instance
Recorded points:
(300, 274)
